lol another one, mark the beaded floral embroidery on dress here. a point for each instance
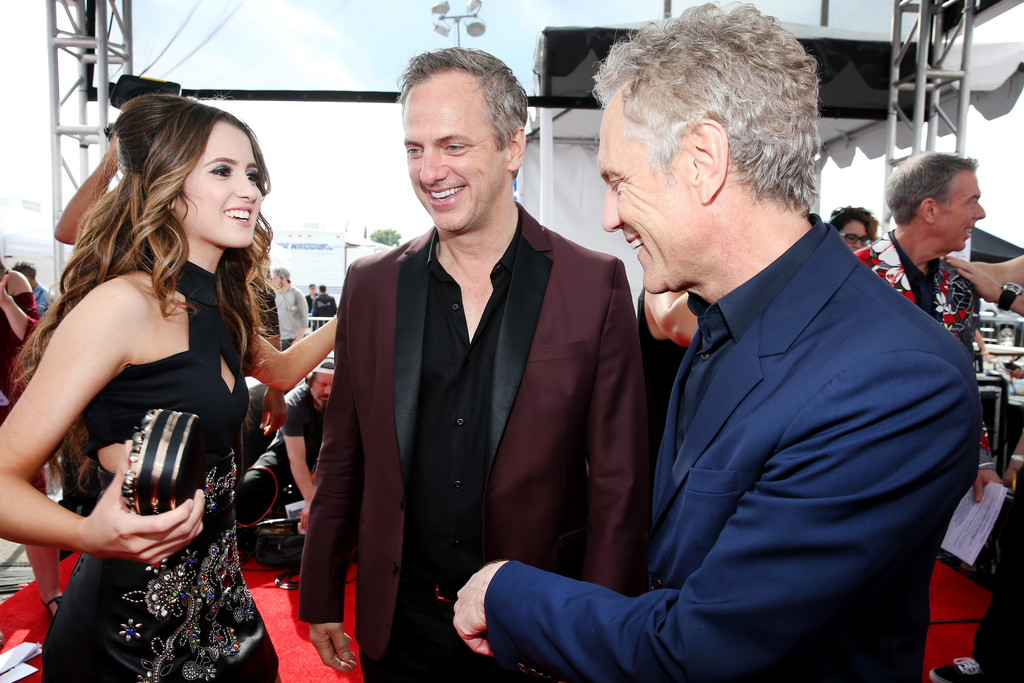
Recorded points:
(222, 486)
(195, 592)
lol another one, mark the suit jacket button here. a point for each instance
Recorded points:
(655, 583)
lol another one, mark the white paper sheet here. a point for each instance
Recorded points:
(972, 523)
(17, 673)
(12, 662)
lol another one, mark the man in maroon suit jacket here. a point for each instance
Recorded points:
(488, 398)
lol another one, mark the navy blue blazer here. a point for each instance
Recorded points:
(795, 529)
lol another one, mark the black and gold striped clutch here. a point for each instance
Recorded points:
(167, 462)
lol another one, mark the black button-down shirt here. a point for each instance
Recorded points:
(444, 529)
(722, 324)
(921, 284)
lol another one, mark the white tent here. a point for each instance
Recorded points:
(24, 236)
(28, 246)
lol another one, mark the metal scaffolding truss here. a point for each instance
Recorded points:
(89, 41)
(935, 83)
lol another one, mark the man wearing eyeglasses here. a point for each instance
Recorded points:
(935, 202)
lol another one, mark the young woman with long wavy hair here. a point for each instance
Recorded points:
(159, 308)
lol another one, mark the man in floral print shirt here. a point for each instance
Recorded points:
(935, 202)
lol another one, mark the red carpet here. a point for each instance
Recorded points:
(953, 597)
(22, 618)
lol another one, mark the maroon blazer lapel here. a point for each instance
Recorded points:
(410, 311)
(519, 323)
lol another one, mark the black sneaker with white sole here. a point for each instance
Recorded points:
(963, 670)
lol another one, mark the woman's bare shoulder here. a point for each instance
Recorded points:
(131, 293)
(17, 283)
(122, 319)
(122, 303)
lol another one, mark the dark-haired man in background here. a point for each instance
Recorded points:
(292, 454)
(324, 305)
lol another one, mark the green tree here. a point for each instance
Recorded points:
(388, 236)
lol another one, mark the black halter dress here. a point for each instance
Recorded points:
(191, 617)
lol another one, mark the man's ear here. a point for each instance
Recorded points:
(707, 164)
(929, 210)
(516, 149)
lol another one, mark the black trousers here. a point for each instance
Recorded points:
(425, 647)
(998, 638)
(262, 487)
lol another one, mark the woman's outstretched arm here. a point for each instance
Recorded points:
(284, 369)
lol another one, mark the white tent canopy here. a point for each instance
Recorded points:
(24, 236)
(36, 247)
(26, 246)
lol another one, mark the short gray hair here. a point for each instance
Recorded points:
(503, 93)
(737, 67)
(282, 273)
(928, 175)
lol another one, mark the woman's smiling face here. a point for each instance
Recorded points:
(222, 197)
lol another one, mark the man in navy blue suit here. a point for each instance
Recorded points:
(821, 430)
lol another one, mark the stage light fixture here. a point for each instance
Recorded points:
(475, 27)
